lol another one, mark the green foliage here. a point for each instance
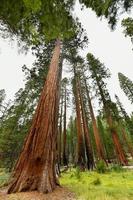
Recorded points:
(116, 168)
(101, 167)
(99, 73)
(125, 119)
(77, 173)
(33, 5)
(108, 8)
(126, 85)
(17, 119)
(36, 20)
(128, 27)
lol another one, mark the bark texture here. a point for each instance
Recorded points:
(118, 147)
(89, 152)
(80, 140)
(35, 169)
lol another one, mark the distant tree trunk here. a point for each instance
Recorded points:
(130, 148)
(99, 145)
(72, 141)
(101, 131)
(64, 132)
(80, 141)
(118, 147)
(60, 134)
(89, 152)
(35, 169)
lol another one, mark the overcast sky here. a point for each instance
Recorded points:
(112, 48)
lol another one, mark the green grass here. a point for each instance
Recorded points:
(94, 186)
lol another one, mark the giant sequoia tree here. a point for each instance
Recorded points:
(34, 23)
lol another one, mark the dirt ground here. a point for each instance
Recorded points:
(60, 193)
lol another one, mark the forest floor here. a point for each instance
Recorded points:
(113, 184)
(61, 193)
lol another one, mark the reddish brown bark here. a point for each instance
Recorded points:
(118, 147)
(80, 141)
(99, 145)
(89, 152)
(35, 169)
(119, 152)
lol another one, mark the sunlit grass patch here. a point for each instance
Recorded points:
(95, 186)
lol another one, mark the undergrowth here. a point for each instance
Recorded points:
(115, 184)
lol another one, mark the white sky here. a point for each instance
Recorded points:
(112, 48)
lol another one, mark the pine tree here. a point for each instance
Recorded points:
(126, 85)
(80, 141)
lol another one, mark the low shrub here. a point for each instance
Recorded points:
(101, 167)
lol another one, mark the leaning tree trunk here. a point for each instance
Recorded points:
(89, 152)
(99, 146)
(118, 147)
(35, 169)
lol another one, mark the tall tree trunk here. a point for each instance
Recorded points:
(35, 169)
(99, 145)
(118, 147)
(64, 132)
(80, 142)
(72, 141)
(89, 152)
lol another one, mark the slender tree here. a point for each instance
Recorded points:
(99, 145)
(89, 152)
(80, 141)
(98, 74)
